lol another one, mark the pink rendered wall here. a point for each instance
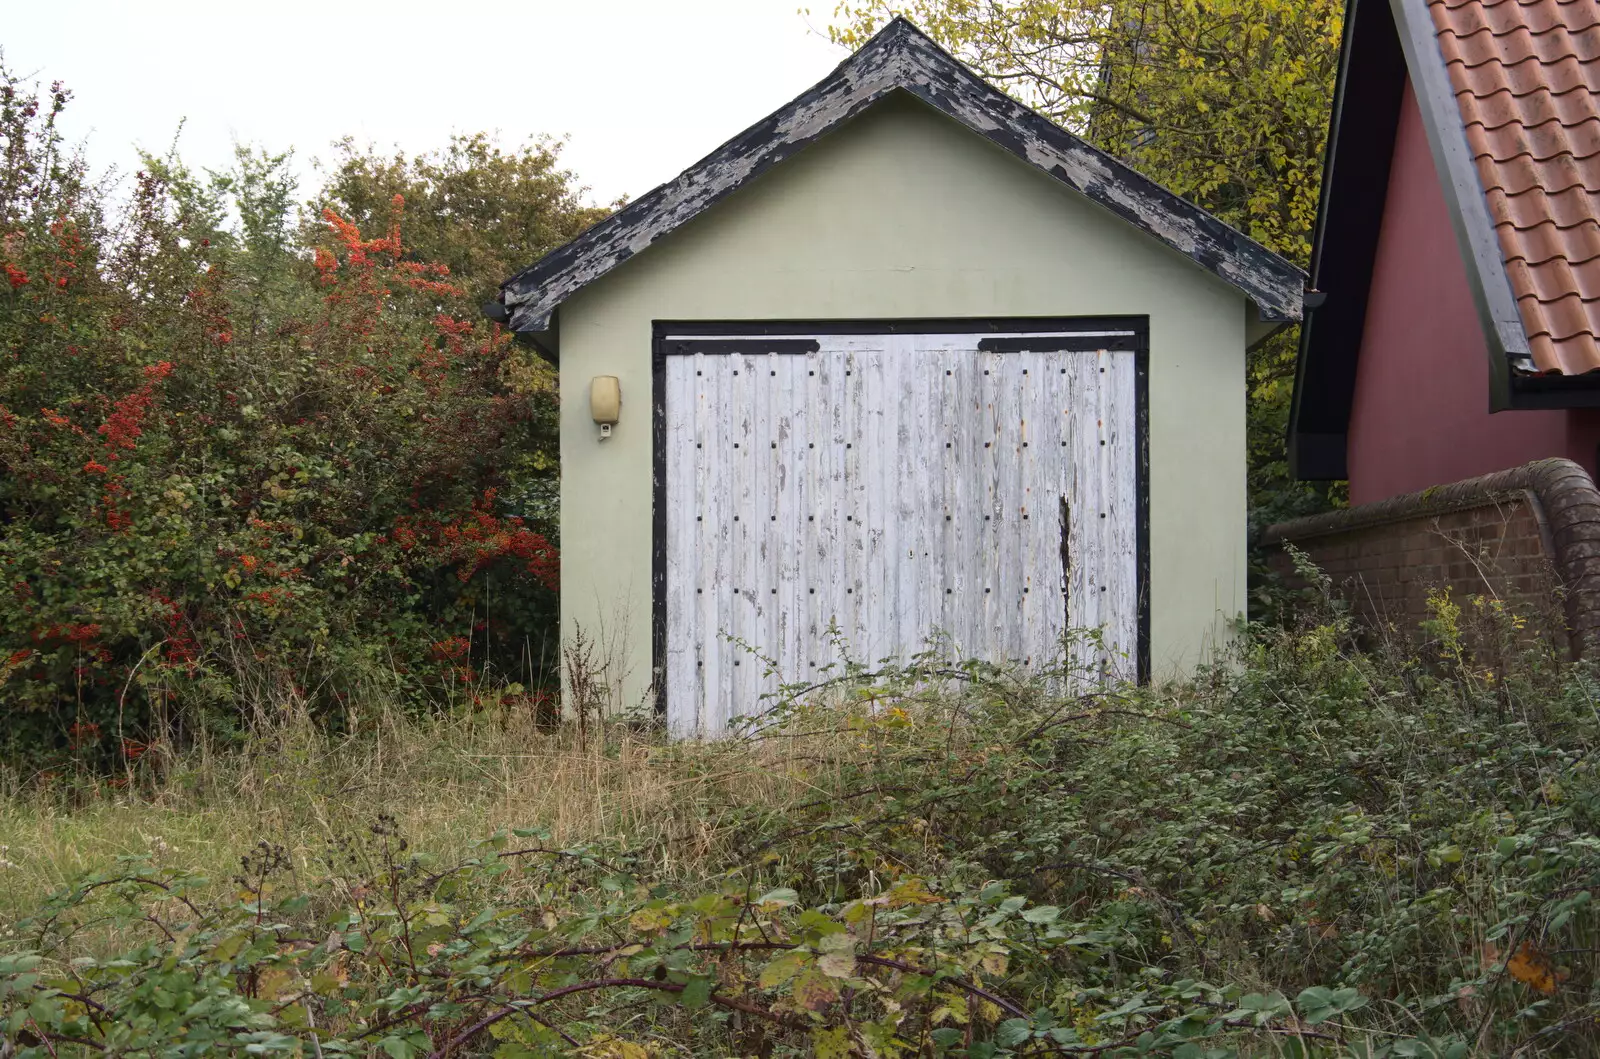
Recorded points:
(1421, 411)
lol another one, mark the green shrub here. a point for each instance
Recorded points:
(242, 471)
(1310, 850)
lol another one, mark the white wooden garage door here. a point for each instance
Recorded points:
(867, 495)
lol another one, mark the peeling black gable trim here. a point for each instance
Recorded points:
(901, 58)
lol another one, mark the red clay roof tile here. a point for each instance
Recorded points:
(1526, 74)
(1564, 209)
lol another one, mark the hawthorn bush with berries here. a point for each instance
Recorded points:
(248, 463)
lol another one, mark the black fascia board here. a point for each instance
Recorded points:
(900, 58)
(1355, 183)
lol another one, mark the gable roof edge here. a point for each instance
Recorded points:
(1362, 123)
(1498, 315)
(901, 58)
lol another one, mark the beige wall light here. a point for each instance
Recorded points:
(605, 402)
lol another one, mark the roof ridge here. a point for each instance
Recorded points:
(901, 58)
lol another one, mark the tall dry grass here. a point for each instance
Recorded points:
(446, 781)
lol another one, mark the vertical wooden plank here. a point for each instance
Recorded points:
(845, 561)
(826, 487)
(1008, 515)
(966, 579)
(840, 498)
(1047, 605)
(710, 482)
(809, 574)
(1123, 546)
(694, 521)
(942, 410)
(682, 553)
(762, 576)
(905, 385)
(871, 517)
(1106, 565)
(741, 621)
(954, 414)
(995, 399)
(891, 529)
(825, 425)
(855, 541)
(708, 584)
(678, 549)
(927, 501)
(1077, 407)
(897, 397)
(717, 533)
(1094, 441)
(789, 530)
(993, 643)
(1031, 632)
(925, 442)
(1109, 568)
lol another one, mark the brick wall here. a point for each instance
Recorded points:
(1529, 536)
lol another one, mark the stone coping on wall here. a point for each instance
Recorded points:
(1561, 494)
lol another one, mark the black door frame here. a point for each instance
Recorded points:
(664, 344)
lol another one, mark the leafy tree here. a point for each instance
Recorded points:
(484, 211)
(1223, 101)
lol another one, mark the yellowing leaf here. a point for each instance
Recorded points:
(814, 991)
(837, 964)
(275, 983)
(783, 968)
(831, 1044)
(1532, 968)
(952, 1007)
(649, 919)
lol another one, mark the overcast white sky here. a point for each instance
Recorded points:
(641, 88)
